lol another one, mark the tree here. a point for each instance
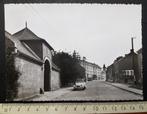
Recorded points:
(70, 68)
(12, 76)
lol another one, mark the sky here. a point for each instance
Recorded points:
(100, 32)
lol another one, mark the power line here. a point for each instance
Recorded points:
(38, 14)
(41, 17)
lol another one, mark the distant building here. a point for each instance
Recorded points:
(110, 73)
(103, 74)
(124, 69)
(92, 70)
(33, 59)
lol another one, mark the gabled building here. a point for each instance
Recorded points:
(33, 59)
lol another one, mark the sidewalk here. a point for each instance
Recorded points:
(51, 95)
(126, 88)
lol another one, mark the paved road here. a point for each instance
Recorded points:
(97, 90)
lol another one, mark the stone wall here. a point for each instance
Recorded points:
(31, 79)
(55, 80)
(55, 75)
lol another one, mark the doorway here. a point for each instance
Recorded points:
(46, 76)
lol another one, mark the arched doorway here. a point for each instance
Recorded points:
(46, 76)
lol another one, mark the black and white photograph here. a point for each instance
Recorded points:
(73, 52)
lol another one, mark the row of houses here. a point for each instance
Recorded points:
(33, 59)
(92, 71)
(126, 69)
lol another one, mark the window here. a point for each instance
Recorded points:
(128, 72)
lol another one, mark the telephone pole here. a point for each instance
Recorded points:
(133, 63)
(132, 39)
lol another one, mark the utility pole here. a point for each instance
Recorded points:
(132, 44)
(133, 63)
(26, 24)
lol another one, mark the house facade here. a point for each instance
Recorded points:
(109, 73)
(124, 69)
(33, 59)
(103, 74)
(92, 70)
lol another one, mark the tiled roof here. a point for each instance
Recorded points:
(27, 35)
(30, 50)
(89, 63)
(21, 46)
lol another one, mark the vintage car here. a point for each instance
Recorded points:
(79, 85)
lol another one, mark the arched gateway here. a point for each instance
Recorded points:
(47, 76)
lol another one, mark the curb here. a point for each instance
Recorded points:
(124, 89)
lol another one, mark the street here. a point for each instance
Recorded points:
(96, 90)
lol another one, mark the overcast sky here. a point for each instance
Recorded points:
(99, 32)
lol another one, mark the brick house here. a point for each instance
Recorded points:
(33, 59)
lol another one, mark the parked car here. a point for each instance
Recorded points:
(79, 85)
(90, 79)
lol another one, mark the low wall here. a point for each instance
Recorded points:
(55, 80)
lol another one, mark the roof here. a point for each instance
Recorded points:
(7, 34)
(22, 47)
(27, 35)
(24, 50)
(120, 58)
(139, 51)
(8, 42)
(93, 64)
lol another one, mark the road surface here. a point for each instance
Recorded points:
(96, 90)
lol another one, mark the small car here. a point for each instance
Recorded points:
(79, 85)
